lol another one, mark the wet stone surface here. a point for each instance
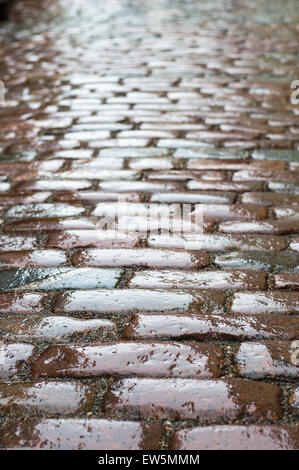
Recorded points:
(149, 220)
(59, 278)
(81, 434)
(237, 438)
(193, 399)
(47, 397)
(142, 359)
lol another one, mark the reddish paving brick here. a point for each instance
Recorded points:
(122, 359)
(13, 199)
(287, 281)
(12, 357)
(51, 185)
(26, 259)
(81, 434)
(46, 397)
(54, 328)
(192, 197)
(36, 211)
(223, 186)
(183, 175)
(279, 227)
(256, 303)
(10, 243)
(179, 399)
(93, 197)
(211, 327)
(99, 239)
(232, 164)
(270, 199)
(169, 127)
(269, 359)
(265, 175)
(123, 301)
(219, 242)
(50, 225)
(233, 212)
(281, 261)
(22, 302)
(143, 257)
(236, 438)
(240, 280)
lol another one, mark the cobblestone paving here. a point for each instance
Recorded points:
(149, 341)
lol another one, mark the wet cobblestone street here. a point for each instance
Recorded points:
(149, 340)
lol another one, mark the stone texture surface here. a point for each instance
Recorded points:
(149, 221)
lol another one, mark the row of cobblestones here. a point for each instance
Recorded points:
(149, 339)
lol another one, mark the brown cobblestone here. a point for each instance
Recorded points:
(236, 438)
(141, 359)
(81, 434)
(142, 117)
(208, 327)
(271, 359)
(193, 399)
(46, 397)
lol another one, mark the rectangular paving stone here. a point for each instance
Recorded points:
(285, 186)
(182, 143)
(123, 359)
(204, 153)
(141, 257)
(22, 302)
(270, 199)
(53, 328)
(43, 210)
(37, 258)
(51, 224)
(46, 397)
(269, 226)
(122, 301)
(202, 197)
(11, 243)
(241, 280)
(59, 278)
(52, 185)
(74, 153)
(223, 186)
(219, 242)
(179, 399)
(284, 260)
(155, 163)
(81, 434)
(265, 175)
(132, 152)
(69, 239)
(287, 281)
(13, 199)
(286, 155)
(13, 356)
(98, 174)
(211, 327)
(93, 197)
(226, 437)
(98, 164)
(122, 186)
(268, 359)
(232, 212)
(255, 303)
(234, 164)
